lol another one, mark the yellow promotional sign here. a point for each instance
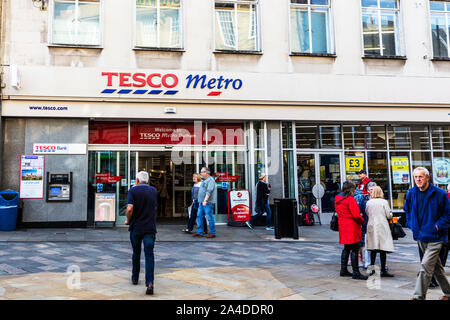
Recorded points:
(354, 163)
(400, 163)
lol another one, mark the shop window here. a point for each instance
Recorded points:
(306, 178)
(378, 170)
(306, 136)
(409, 137)
(441, 169)
(440, 17)
(158, 23)
(76, 22)
(108, 132)
(310, 26)
(364, 137)
(259, 134)
(236, 25)
(330, 137)
(286, 128)
(400, 177)
(440, 136)
(381, 29)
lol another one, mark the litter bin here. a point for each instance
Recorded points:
(286, 218)
(9, 203)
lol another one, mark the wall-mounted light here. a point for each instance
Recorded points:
(41, 4)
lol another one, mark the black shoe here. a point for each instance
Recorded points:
(345, 273)
(386, 274)
(149, 290)
(134, 282)
(359, 276)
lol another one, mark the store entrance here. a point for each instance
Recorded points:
(172, 180)
(323, 169)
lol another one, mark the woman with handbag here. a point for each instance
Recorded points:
(197, 179)
(379, 236)
(350, 221)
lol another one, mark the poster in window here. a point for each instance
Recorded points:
(400, 170)
(32, 177)
(441, 170)
(105, 207)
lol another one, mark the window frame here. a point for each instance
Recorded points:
(74, 45)
(446, 13)
(331, 50)
(159, 47)
(258, 35)
(400, 45)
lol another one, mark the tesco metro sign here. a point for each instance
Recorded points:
(165, 83)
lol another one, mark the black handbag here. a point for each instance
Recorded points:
(334, 225)
(397, 231)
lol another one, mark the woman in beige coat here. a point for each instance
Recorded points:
(378, 237)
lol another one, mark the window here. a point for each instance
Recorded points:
(158, 23)
(439, 16)
(310, 26)
(236, 25)
(414, 137)
(364, 137)
(76, 22)
(381, 30)
(440, 136)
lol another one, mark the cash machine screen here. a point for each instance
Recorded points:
(55, 191)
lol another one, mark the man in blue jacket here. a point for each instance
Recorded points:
(427, 209)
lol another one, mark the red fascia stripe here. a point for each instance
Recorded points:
(214, 93)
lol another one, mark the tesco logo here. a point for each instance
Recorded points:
(139, 80)
(45, 148)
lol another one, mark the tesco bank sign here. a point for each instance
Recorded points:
(165, 83)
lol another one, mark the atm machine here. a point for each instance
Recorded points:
(59, 187)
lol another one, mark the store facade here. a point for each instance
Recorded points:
(334, 152)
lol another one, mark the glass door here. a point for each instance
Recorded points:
(108, 186)
(184, 169)
(330, 179)
(306, 179)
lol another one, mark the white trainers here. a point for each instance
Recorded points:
(248, 224)
(269, 228)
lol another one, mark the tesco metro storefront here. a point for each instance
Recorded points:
(104, 125)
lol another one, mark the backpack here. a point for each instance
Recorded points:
(307, 219)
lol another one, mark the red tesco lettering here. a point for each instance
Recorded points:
(154, 80)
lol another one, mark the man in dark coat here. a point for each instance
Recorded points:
(427, 209)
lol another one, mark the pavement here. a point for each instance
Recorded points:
(240, 264)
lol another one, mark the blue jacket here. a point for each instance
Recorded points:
(436, 213)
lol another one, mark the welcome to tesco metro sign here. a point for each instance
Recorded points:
(165, 83)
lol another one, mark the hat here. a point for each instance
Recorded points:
(262, 175)
(362, 171)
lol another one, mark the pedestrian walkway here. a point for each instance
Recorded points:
(172, 232)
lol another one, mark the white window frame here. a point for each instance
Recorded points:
(331, 49)
(446, 14)
(50, 24)
(158, 24)
(398, 29)
(256, 20)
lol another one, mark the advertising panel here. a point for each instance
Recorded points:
(400, 170)
(105, 207)
(32, 177)
(441, 170)
(240, 204)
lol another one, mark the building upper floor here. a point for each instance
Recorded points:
(331, 37)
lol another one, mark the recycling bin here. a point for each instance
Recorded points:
(9, 203)
(286, 218)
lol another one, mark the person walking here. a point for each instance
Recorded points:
(427, 209)
(379, 236)
(350, 235)
(262, 203)
(141, 218)
(207, 195)
(197, 179)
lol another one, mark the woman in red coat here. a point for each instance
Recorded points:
(350, 221)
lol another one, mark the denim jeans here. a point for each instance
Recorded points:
(193, 217)
(207, 211)
(265, 208)
(149, 242)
